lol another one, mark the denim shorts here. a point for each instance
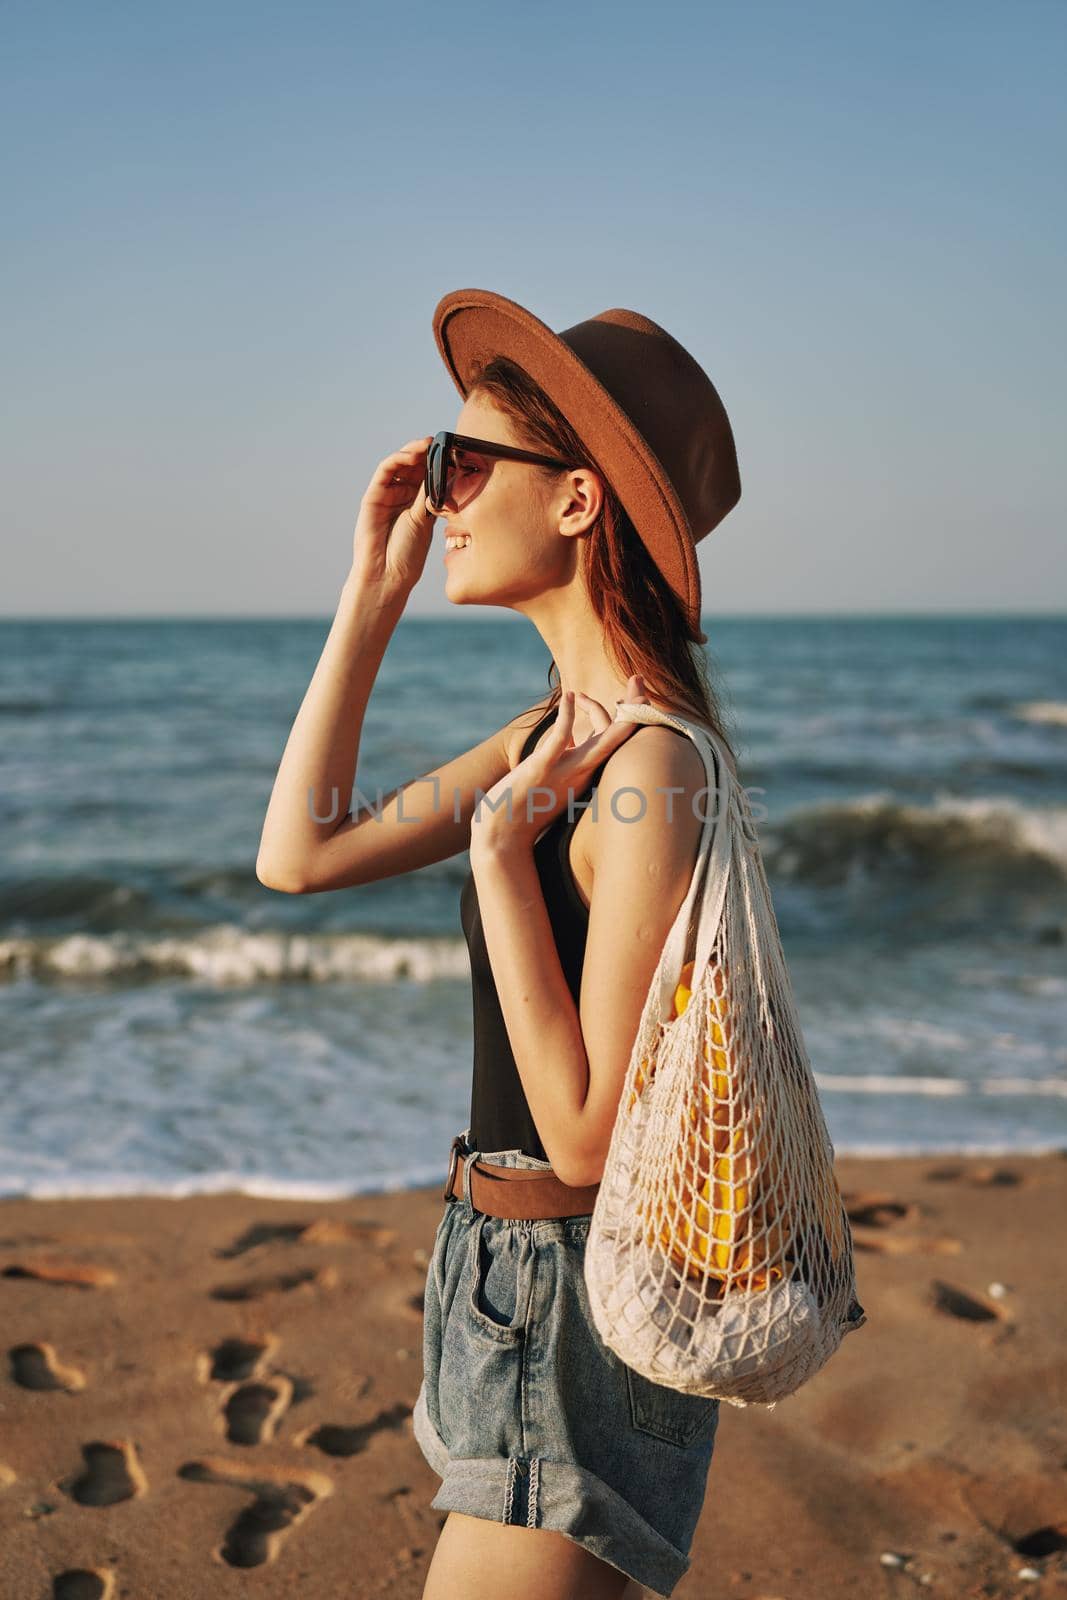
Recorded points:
(529, 1418)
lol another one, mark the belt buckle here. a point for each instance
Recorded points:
(453, 1163)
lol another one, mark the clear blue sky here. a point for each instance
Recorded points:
(227, 227)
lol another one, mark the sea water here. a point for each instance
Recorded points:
(168, 1024)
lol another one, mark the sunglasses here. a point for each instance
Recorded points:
(441, 462)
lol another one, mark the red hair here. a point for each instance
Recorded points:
(645, 628)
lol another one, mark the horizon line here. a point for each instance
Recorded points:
(482, 618)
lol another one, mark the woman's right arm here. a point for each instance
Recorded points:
(309, 841)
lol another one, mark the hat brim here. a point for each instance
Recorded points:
(471, 326)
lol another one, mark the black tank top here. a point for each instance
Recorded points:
(500, 1114)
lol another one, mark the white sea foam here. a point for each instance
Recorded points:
(78, 1185)
(104, 1186)
(936, 1088)
(1049, 711)
(230, 955)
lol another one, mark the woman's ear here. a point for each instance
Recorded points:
(584, 503)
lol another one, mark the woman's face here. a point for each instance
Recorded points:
(512, 511)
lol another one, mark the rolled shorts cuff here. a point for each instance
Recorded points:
(556, 1495)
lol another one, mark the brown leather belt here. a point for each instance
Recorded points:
(516, 1192)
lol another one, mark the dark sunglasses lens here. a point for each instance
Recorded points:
(436, 474)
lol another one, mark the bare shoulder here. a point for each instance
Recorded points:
(686, 742)
(641, 840)
(655, 778)
(655, 757)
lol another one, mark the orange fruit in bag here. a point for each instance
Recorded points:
(720, 1229)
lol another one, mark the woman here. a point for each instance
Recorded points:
(584, 467)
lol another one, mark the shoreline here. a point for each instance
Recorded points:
(174, 1360)
(307, 1192)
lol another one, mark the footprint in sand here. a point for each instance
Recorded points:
(1026, 1510)
(68, 1274)
(36, 1366)
(282, 1499)
(871, 1215)
(235, 1360)
(253, 1410)
(1050, 1540)
(324, 1230)
(112, 1473)
(84, 1583)
(341, 1439)
(995, 1177)
(253, 1400)
(8, 1476)
(278, 1283)
(878, 1210)
(957, 1302)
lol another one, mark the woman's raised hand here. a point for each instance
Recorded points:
(541, 784)
(395, 526)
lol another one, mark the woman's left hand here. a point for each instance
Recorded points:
(542, 783)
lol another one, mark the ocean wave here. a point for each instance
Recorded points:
(159, 898)
(964, 857)
(233, 955)
(997, 836)
(89, 897)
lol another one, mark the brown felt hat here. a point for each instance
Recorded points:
(649, 416)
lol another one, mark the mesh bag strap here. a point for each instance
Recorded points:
(713, 855)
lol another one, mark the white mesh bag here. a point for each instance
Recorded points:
(719, 1258)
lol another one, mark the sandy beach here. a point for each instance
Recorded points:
(213, 1395)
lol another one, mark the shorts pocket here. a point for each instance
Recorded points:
(682, 1419)
(493, 1297)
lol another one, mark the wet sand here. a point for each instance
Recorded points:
(212, 1396)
